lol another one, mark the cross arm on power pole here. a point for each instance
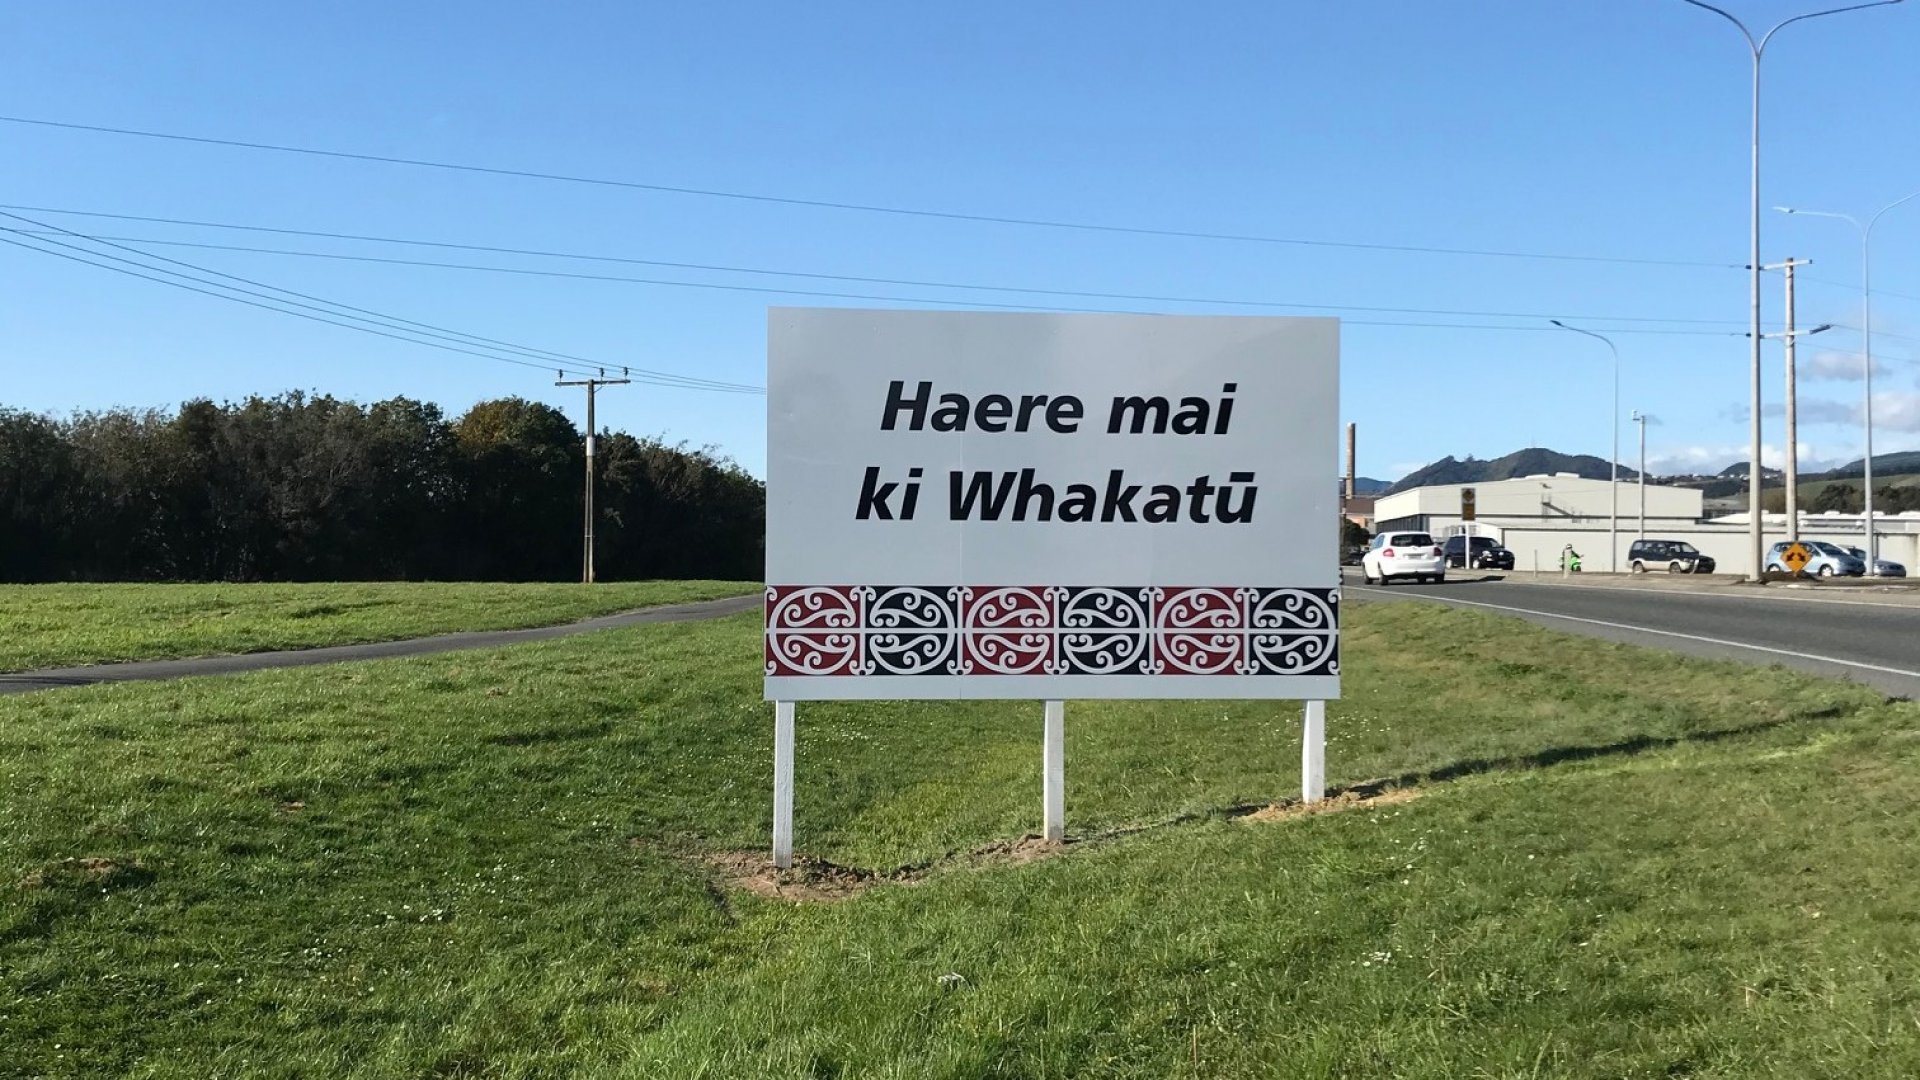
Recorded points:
(593, 384)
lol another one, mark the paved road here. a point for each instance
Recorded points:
(1869, 641)
(226, 665)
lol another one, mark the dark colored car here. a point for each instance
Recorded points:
(1487, 553)
(1881, 567)
(1673, 556)
(1352, 554)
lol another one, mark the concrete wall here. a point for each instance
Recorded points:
(1567, 499)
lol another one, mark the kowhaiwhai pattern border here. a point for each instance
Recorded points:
(856, 630)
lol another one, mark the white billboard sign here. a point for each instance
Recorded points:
(1041, 506)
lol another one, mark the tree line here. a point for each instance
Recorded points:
(1847, 499)
(314, 488)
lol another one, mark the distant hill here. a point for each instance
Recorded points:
(1367, 485)
(1728, 482)
(1726, 487)
(1529, 462)
(1732, 480)
(1907, 461)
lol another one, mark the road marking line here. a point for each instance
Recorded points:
(1663, 633)
(1800, 598)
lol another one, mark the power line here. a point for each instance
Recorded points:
(1878, 333)
(1856, 288)
(869, 208)
(890, 299)
(250, 303)
(838, 295)
(763, 271)
(425, 329)
(545, 357)
(362, 325)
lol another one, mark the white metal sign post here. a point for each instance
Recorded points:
(1043, 507)
(1054, 774)
(1313, 752)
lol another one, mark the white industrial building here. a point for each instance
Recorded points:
(1536, 517)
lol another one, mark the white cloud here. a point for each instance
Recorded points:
(1818, 411)
(1668, 461)
(1829, 365)
(1896, 410)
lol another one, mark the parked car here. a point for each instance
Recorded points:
(1352, 554)
(1673, 556)
(1487, 553)
(1403, 555)
(1827, 559)
(1881, 567)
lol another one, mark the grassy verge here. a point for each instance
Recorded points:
(44, 626)
(1620, 863)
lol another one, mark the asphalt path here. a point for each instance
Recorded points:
(1876, 643)
(148, 670)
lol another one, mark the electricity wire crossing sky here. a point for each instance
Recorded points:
(468, 203)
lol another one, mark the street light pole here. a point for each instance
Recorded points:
(1866, 344)
(1613, 479)
(1759, 47)
(1641, 419)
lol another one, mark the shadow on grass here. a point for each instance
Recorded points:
(1563, 755)
(816, 880)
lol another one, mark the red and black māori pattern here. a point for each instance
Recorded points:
(855, 630)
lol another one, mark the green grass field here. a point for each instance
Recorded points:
(43, 626)
(1614, 863)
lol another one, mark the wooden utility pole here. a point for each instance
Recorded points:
(1793, 419)
(592, 385)
(1790, 335)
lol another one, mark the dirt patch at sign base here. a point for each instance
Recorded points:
(1352, 799)
(809, 881)
(1027, 849)
(813, 880)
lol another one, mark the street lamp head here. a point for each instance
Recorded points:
(1786, 209)
(1821, 329)
(1559, 324)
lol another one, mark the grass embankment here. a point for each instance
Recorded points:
(43, 626)
(1813, 489)
(1620, 863)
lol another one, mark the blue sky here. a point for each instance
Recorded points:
(1596, 129)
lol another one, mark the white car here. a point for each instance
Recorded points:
(1403, 555)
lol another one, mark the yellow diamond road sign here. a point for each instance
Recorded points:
(1796, 557)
